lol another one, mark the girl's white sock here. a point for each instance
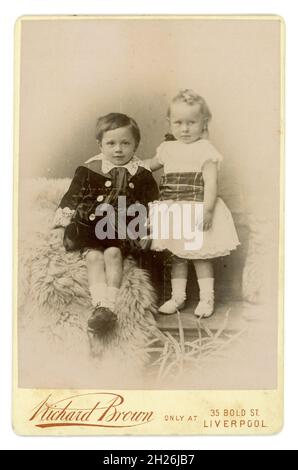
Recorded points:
(98, 293)
(111, 297)
(206, 286)
(179, 289)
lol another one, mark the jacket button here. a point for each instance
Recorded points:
(92, 216)
(108, 183)
(100, 198)
(131, 185)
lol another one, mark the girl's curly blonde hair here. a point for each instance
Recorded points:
(190, 97)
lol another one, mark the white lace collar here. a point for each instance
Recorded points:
(132, 166)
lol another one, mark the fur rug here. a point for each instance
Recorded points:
(54, 304)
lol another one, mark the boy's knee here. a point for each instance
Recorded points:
(112, 254)
(94, 256)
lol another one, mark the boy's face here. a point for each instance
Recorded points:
(118, 145)
(186, 122)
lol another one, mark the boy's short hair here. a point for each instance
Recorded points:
(113, 121)
(191, 97)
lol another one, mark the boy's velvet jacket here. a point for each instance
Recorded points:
(90, 187)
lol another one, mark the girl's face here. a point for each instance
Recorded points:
(186, 122)
(118, 145)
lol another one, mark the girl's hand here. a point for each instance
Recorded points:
(207, 220)
(210, 191)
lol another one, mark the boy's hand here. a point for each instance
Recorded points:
(56, 236)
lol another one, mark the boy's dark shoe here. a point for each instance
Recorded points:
(102, 321)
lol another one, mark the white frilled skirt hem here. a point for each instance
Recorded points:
(182, 230)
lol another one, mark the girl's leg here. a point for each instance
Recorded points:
(178, 281)
(96, 276)
(204, 268)
(114, 272)
(205, 276)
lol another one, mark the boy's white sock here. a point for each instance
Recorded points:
(206, 286)
(179, 289)
(98, 293)
(111, 297)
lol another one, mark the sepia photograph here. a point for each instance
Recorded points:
(148, 198)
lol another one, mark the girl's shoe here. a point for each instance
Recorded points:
(205, 307)
(171, 306)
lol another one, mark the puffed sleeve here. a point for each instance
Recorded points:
(71, 199)
(210, 153)
(161, 153)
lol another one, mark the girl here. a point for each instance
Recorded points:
(100, 182)
(190, 165)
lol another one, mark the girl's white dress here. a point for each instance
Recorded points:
(182, 190)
